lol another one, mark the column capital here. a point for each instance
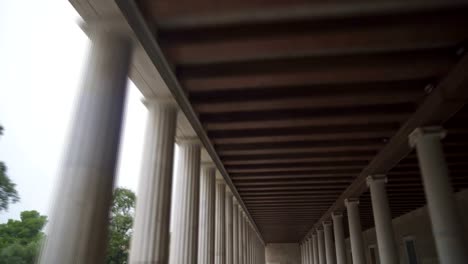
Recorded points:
(349, 201)
(168, 101)
(336, 215)
(188, 141)
(326, 223)
(376, 178)
(208, 164)
(429, 131)
(234, 201)
(319, 229)
(228, 191)
(111, 24)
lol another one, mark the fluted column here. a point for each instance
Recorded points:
(308, 251)
(338, 231)
(77, 232)
(184, 241)
(445, 219)
(329, 246)
(355, 233)
(244, 239)
(235, 232)
(303, 253)
(206, 225)
(315, 252)
(388, 252)
(240, 241)
(228, 218)
(220, 237)
(321, 246)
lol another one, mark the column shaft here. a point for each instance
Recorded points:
(184, 242)
(244, 239)
(383, 221)
(206, 226)
(78, 227)
(309, 251)
(441, 203)
(321, 246)
(315, 249)
(329, 247)
(235, 232)
(339, 238)
(240, 241)
(220, 236)
(228, 218)
(355, 233)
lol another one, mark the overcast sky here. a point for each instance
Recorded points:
(42, 54)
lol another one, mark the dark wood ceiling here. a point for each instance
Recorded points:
(298, 97)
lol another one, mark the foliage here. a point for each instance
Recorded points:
(20, 240)
(120, 228)
(8, 192)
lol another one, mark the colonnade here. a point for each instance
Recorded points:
(210, 225)
(445, 220)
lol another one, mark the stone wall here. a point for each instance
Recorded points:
(284, 253)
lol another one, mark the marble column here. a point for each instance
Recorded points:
(388, 252)
(240, 241)
(338, 231)
(184, 239)
(301, 248)
(329, 246)
(321, 246)
(228, 225)
(220, 234)
(445, 219)
(244, 239)
(355, 233)
(315, 252)
(235, 231)
(310, 256)
(206, 226)
(77, 232)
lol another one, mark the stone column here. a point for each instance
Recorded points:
(338, 231)
(228, 218)
(315, 252)
(184, 239)
(355, 233)
(321, 246)
(441, 203)
(301, 248)
(309, 251)
(77, 232)
(308, 254)
(220, 236)
(206, 226)
(150, 237)
(244, 239)
(235, 231)
(329, 247)
(383, 221)
(240, 241)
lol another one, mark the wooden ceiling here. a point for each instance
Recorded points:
(299, 97)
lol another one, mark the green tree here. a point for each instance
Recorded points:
(120, 228)
(20, 240)
(8, 192)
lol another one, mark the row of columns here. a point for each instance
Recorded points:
(210, 226)
(327, 244)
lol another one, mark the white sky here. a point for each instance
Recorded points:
(42, 54)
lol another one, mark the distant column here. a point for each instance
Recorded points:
(302, 253)
(220, 234)
(78, 227)
(383, 221)
(244, 238)
(240, 241)
(321, 246)
(355, 233)
(329, 247)
(184, 241)
(338, 231)
(311, 251)
(235, 232)
(228, 218)
(445, 219)
(315, 249)
(206, 225)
